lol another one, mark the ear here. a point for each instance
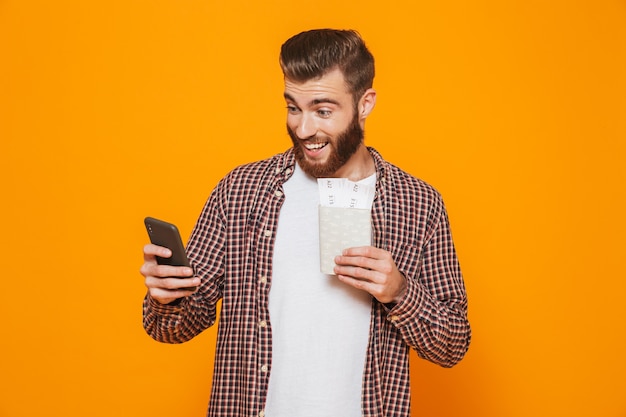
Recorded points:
(366, 104)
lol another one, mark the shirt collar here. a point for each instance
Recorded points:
(285, 165)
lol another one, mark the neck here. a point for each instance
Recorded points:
(359, 166)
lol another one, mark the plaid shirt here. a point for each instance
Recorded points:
(231, 251)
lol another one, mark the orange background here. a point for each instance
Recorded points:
(111, 111)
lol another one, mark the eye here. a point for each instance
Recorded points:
(291, 109)
(325, 114)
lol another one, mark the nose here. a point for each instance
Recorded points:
(306, 127)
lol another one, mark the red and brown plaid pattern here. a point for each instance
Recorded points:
(231, 250)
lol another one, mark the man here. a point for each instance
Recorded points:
(293, 341)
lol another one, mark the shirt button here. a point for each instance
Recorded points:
(261, 413)
(264, 368)
(394, 318)
(262, 323)
(278, 169)
(267, 233)
(278, 193)
(263, 280)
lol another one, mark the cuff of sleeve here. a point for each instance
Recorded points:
(165, 309)
(411, 306)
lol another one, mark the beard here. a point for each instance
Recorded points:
(341, 150)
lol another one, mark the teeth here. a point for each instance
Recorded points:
(312, 146)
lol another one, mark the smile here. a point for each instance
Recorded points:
(315, 146)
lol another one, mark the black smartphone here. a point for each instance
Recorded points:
(167, 235)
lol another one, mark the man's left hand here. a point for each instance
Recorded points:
(373, 270)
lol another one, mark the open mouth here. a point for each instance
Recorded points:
(315, 147)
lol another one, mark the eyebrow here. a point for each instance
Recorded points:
(314, 102)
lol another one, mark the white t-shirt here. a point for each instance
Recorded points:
(320, 326)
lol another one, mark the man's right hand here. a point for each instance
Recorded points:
(166, 283)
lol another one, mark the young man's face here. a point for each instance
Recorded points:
(323, 123)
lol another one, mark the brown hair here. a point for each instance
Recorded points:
(314, 53)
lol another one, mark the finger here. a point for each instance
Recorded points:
(162, 271)
(165, 296)
(365, 251)
(173, 271)
(376, 290)
(171, 284)
(358, 261)
(151, 251)
(360, 284)
(356, 272)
